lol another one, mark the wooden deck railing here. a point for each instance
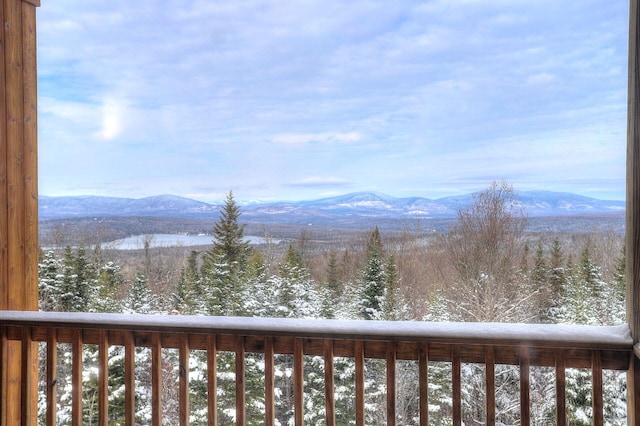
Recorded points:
(559, 347)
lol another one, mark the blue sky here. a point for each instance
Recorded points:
(288, 100)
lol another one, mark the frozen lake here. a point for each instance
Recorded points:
(136, 242)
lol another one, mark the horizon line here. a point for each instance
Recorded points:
(267, 201)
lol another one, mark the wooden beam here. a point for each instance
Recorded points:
(633, 179)
(633, 209)
(18, 195)
(30, 157)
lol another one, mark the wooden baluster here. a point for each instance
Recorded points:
(27, 375)
(298, 382)
(391, 384)
(423, 372)
(269, 374)
(103, 379)
(212, 379)
(240, 382)
(490, 384)
(329, 385)
(76, 379)
(359, 358)
(633, 390)
(525, 384)
(596, 388)
(129, 380)
(456, 385)
(3, 370)
(561, 396)
(183, 360)
(156, 380)
(52, 376)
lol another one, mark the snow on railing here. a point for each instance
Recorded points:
(457, 344)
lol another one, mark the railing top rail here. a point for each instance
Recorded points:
(535, 335)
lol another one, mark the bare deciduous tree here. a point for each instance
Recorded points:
(484, 248)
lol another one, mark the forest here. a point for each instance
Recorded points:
(486, 267)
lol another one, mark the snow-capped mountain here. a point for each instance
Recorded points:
(87, 206)
(354, 205)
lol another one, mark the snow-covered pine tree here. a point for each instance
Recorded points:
(539, 279)
(557, 283)
(78, 282)
(187, 295)
(373, 279)
(589, 300)
(225, 264)
(392, 309)
(111, 281)
(140, 299)
(49, 281)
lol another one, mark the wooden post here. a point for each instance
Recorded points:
(633, 210)
(18, 188)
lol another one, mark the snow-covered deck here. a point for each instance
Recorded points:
(490, 344)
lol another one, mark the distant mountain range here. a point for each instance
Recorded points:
(360, 205)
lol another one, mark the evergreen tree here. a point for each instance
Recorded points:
(225, 264)
(539, 281)
(78, 282)
(373, 279)
(228, 236)
(293, 291)
(391, 302)
(188, 291)
(110, 283)
(333, 274)
(618, 290)
(256, 266)
(331, 291)
(556, 275)
(49, 281)
(584, 303)
(140, 299)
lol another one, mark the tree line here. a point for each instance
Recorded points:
(485, 268)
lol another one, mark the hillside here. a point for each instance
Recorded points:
(344, 208)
